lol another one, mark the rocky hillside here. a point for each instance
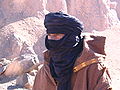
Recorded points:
(22, 33)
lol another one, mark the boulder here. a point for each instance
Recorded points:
(95, 14)
(10, 46)
(56, 5)
(117, 7)
(26, 62)
(15, 10)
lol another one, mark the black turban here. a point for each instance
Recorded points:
(59, 22)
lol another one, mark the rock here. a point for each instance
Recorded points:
(22, 66)
(3, 65)
(94, 14)
(14, 35)
(39, 47)
(25, 80)
(117, 7)
(10, 46)
(52, 4)
(2, 69)
(26, 62)
(15, 10)
(16, 41)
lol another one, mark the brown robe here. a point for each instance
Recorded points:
(91, 77)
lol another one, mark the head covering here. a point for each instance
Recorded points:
(64, 51)
(59, 22)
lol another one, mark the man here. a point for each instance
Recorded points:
(72, 62)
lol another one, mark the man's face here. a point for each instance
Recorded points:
(55, 36)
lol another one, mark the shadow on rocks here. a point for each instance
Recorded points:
(5, 79)
(15, 87)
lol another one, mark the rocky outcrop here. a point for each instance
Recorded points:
(95, 14)
(55, 5)
(117, 7)
(15, 10)
(16, 43)
(10, 46)
(14, 35)
(24, 63)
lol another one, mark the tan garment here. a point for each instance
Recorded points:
(91, 77)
